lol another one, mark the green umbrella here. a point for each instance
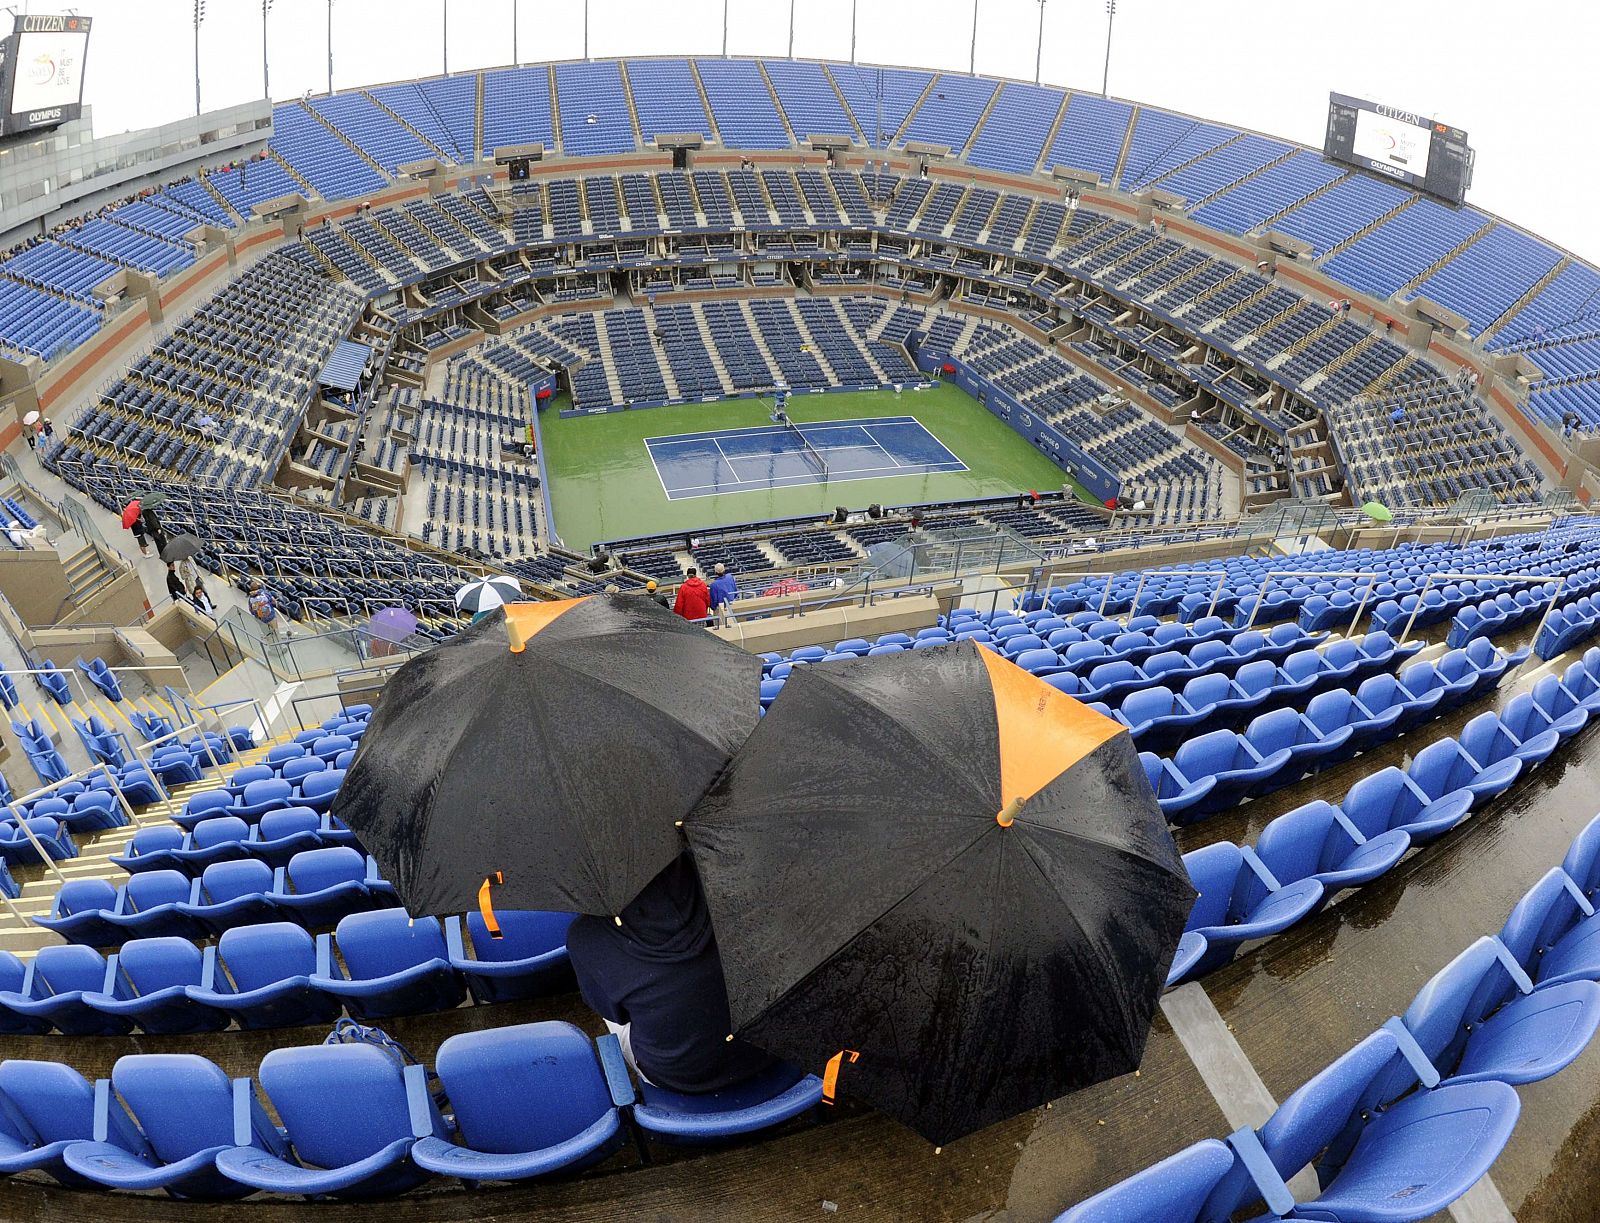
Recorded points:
(1377, 512)
(153, 499)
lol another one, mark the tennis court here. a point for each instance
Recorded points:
(785, 456)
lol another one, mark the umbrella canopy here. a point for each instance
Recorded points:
(1377, 512)
(392, 624)
(563, 763)
(30, 418)
(131, 512)
(486, 594)
(943, 884)
(182, 547)
(153, 499)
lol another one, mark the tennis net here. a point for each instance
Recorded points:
(810, 451)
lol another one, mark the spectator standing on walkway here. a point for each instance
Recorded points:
(175, 586)
(264, 608)
(694, 599)
(724, 589)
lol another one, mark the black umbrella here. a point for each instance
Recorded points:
(182, 547)
(561, 760)
(942, 883)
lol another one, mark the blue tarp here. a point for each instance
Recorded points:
(342, 370)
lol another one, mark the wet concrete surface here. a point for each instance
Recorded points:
(1294, 1003)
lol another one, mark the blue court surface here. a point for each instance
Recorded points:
(771, 456)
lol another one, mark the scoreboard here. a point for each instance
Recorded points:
(1432, 157)
(41, 71)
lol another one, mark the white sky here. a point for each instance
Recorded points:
(1520, 80)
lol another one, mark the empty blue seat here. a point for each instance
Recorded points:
(1389, 799)
(1481, 1018)
(319, 886)
(13, 976)
(78, 913)
(346, 1116)
(528, 1100)
(395, 965)
(153, 904)
(528, 959)
(150, 979)
(1239, 900)
(780, 1094)
(48, 1108)
(236, 892)
(184, 1107)
(1445, 766)
(1172, 1191)
(1317, 841)
(55, 988)
(261, 977)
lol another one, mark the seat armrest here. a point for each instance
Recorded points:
(1421, 1065)
(1247, 1146)
(615, 1067)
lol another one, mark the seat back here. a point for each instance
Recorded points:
(286, 822)
(152, 964)
(386, 941)
(58, 1103)
(1214, 872)
(221, 830)
(321, 785)
(312, 870)
(490, 1076)
(257, 956)
(225, 881)
(208, 800)
(183, 1102)
(1461, 994)
(524, 934)
(268, 790)
(148, 889)
(1207, 754)
(86, 895)
(62, 968)
(339, 1103)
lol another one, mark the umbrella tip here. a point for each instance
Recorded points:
(1008, 813)
(616, 919)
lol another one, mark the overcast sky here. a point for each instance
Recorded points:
(1519, 78)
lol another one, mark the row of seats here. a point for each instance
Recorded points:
(359, 1119)
(1306, 856)
(1409, 1119)
(1212, 772)
(377, 964)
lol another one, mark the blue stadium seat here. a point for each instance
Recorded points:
(56, 990)
(1389, 799)
(529, 1101)
(1239, 900)
(150, 983)
(346, 1116)
(1172, 1191)
(395, 965)
(48, 1108)
(1317, 841)
(261, 977)
(527, 960)
(772, 1098)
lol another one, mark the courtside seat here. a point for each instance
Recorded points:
(78, 913)
(55, 988)
(47, 1108)
(347, 1120)
(394, 965)
(1481, 1018)
(529, 958)
(1389, 799)
(261, 977)
(184, 1107)
(150, 979)
(769, 1099)
(1317, 841)
(529, 1101)
(1239, 900)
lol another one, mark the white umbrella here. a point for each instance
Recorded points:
(486, 594)
(30, 418)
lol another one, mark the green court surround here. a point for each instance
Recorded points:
(603, 485)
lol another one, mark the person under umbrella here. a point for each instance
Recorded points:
(480, 597)
(943, 884)
(559, 766)
(653, 974)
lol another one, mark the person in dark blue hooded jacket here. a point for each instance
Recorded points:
(658, 976)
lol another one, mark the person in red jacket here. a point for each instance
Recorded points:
(694, 598)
